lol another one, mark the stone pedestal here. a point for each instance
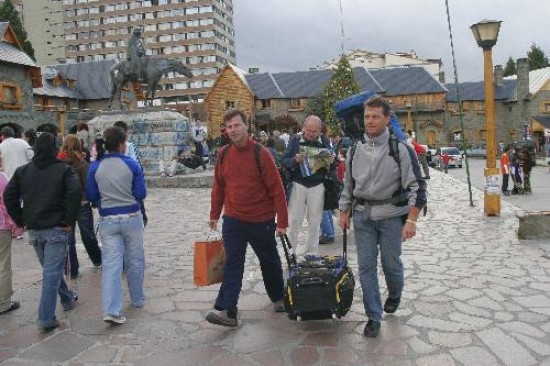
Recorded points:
(534, 225)
(159, 134)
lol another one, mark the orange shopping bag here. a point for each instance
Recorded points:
(209, 262)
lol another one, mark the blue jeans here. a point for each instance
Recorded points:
(327, 225)
(261, 236)
(369, 235)
(50, 246)
(85, 222)
(122, 238)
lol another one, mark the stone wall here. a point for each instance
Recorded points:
(158, 134)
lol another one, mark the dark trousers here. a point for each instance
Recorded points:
(85, 223)
(505, 182)
(261, 236)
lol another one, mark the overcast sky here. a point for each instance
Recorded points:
(292, 35)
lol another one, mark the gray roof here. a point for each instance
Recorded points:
(92, 78)
(407, 80)
(302, 84)
(475, 91)
(305, 84)
(49, 89)
(14, 55)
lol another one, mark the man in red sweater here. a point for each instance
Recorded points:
(251, 195)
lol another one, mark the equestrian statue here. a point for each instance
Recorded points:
(138, 67)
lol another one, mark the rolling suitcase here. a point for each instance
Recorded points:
(318, 287)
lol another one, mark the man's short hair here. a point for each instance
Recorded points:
(376, 102)
(114, 136)
(122, 125)
(234, 113)
(7, 131)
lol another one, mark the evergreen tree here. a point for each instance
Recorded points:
(537, 58)
(341, 85)
(9, 14)
(510, 68)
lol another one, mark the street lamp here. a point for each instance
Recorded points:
(408, 126)
(486, 34)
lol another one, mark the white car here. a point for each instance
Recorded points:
(456, 156)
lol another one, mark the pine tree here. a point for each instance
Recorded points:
(510, 68)
(537, 58)
(8, 13)
(341, 85)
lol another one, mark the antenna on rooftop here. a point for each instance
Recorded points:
(342, 25)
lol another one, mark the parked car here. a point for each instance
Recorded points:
(519, 146)
(479, 151)
(456, 155)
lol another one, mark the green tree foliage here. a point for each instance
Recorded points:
(341, 85)
(510, 68)
(9, 14)
(537, 58)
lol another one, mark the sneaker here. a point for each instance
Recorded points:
(279, 306)
(49, 328)
(223, 318)
(391, 305)
(372, 329)
(71, 305)
(114, 319)
(326, 240)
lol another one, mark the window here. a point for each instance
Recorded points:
(295, 103)
(229, 104)
(266, 103)
(544, 107)
(10, 97)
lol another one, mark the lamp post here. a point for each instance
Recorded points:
(409, 125)
(486, 34)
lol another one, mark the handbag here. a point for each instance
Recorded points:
(208, 262)
(332, 192)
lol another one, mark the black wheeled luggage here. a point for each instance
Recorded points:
(318, 287)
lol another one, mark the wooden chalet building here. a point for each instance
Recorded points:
(18, 76)
(413, 92)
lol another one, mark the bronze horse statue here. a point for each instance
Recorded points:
(153, 70)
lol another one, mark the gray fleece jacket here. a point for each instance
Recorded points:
(377, 177)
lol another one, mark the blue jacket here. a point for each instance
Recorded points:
(116, 184)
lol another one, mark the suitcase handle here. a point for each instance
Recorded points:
(312, 281)
(289, 251)
(345, 249)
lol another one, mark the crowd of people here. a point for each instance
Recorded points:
(517, 166)
(383, 193)
(264, 186)
(75, 174)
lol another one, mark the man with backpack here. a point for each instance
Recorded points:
(248, 188)
(383, 193)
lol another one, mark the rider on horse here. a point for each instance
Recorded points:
(136, 53)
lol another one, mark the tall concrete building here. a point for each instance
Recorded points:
(199, 32)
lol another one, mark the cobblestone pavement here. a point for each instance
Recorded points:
(474, 295)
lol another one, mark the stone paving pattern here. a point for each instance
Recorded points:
(474, 295)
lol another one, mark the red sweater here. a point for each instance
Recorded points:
(243, 192)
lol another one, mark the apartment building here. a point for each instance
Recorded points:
(199, 32)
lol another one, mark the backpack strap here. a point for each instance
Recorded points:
(393, 144)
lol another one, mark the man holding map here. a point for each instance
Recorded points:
(307, 159)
